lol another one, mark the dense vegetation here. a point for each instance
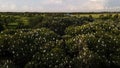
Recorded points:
(41, 40)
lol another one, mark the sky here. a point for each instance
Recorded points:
(59, 5)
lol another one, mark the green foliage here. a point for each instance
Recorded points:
(106, 45)
(53, 59)
(91, 28)
(102, 39)
(7, 64)
(59, 41)
(35, 20)
(1, 27)
(22, 44)
(80, 54)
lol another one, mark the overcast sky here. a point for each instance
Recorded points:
(59, 5)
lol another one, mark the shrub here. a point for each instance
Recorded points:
(23, 44)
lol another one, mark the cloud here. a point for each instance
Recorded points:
(7, 6)
(58, 5)
(112, 5)
(52, 1)
(95, 5)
